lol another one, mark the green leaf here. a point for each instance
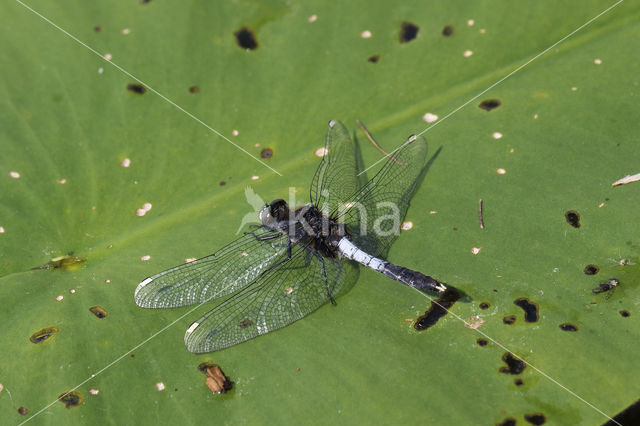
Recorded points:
(569, 129)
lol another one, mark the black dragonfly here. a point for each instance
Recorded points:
(298, 260)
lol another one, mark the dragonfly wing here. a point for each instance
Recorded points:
(375, 213)
(335, 179)
(280, 296)
(220, 274)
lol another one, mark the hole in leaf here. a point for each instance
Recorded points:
(448, 30)
(573, 218)
(530, 308)
(266, 153)
(42, 335)
(438, 309)
(246, 39)
(514, 365)
(625, 313)
(374, 58)
(408, 32)
(591, 269)
(99, 311)
(509, 421)
(518, 382)
(484, 305)
(97, 28)
(482, 342)
(509, 319)
(71, 399)
(136, 88)
(489, 104)
(23, 411)
(568, 327)
(194, 89)
(535, 418)
(222, 183)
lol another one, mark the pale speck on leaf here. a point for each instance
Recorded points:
(108, 56)
(365, 34)
(160, 386)
(496, 135)
(429, 117)
(234, 132)
(62, 181)
(14, 175)
(476, 250)
(313, 18)
(93, 391)
(597, 61)
(467, 53)
(501, 171)
(59, 298)
(140, 212)
(100, 70)
(1, 230)
(470, 22)
(255, 177)
(126, 162)
(145, 258)
(126, 31)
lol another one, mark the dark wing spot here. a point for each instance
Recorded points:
(573, 218)
(44, 334)
(489, 104)
(245, 323)
(408, 32)
(246, 39)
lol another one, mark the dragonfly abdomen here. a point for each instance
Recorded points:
(412, 278)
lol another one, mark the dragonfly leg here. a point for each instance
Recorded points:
(324, 276)
(262, 237)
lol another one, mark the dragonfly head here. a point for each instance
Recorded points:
(272, 214)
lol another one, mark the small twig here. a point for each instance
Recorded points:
(368, 135)
(627, 179)
(480, 214)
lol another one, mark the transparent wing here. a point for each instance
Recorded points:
(375, 213)
(282, 295)
(220, 274)
(335, 179)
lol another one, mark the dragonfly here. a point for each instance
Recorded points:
(299, 259)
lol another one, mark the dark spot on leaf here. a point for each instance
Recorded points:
(606, 286)
(509, 319)
(518, 382)
(194, 89)
(246, 39)
(408, 32)
(374, 58)
(482, 342)
(217, 382)
(71, 399)
(99, 311)
(222, 183)
(132, 355)
(61, 262)
(535, 418)
(42, 335)
(568, 327)
(628, 416)
(455, 229)
(484, 305)
(509, 421)
(625, 313)
(573, 218)
(97, 28)
(144, 1)
(489, 104)
(136, 88)
(266, 153)
(23, 411)
(448, 30)
(591, 269)
(438, 309)
(514, 365)
(245, 323)
(530, 308)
